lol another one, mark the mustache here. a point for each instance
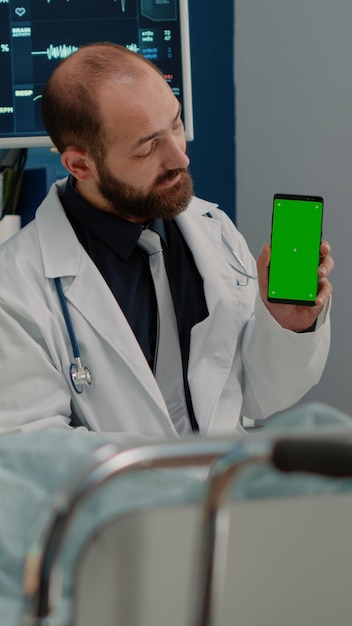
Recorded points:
(170, 175)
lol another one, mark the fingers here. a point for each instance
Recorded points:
(264, 257)
(326, 260)
(325, 267)
(325, 248)
(325, 291)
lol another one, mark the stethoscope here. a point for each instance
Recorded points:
(79, 374)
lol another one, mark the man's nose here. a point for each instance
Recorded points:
(174, 155)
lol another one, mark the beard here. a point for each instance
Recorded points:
(128, 202)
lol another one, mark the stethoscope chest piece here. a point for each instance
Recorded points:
(79, 375)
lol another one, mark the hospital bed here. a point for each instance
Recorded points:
(217, 533)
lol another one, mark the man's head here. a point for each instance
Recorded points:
(118, 127)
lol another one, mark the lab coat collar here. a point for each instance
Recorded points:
(60, 253)
(52, 221)
(62, 256)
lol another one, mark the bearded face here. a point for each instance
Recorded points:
(168, 196)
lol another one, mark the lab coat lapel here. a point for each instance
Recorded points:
(213, 341)
(83, 286)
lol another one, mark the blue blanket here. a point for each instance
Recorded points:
(34, 467)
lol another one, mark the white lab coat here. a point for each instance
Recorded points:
(241, 361)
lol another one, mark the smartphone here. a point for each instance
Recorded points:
(296, 231)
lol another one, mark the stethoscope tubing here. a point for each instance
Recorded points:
(68, 319)
(79, 374)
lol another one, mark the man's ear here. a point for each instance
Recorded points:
(78, 163)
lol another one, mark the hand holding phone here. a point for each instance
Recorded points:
(296, 232)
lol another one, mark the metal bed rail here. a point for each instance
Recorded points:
(225, 460)
(42, 597)
(319, 456)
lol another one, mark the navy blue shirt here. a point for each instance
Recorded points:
(111, 242)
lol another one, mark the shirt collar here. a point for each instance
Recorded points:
(158, 226)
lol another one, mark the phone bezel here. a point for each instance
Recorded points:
(304, 198)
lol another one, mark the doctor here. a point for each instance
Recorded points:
(119, 130)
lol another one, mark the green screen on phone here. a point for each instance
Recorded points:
(295, 249)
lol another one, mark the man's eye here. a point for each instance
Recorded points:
(145, 155)
(178, 125)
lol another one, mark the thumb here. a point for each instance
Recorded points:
(262, 269)
(264, 258)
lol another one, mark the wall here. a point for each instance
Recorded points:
(293, 77)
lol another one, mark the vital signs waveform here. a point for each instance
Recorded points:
(61, 51)
(122, 2)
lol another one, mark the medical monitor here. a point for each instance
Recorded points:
(36, 34)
